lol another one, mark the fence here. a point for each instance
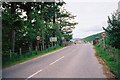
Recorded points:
(23, 52)
(113, 52)
(26, 52)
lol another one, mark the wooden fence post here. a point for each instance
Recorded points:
(41, 47)
(20, 52)
(30, 49)
(48, 46)
(10, 54)
(36, 48)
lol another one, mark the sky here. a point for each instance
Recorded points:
(91, 15)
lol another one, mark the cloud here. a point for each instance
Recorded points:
(91, 16)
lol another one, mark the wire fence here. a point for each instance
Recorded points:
(113, 52)
(27, 51)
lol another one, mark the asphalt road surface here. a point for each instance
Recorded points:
(75, 61)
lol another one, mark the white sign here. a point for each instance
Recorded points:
(53, 39)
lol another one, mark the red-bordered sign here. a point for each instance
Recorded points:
(37, 37)
(103, 34)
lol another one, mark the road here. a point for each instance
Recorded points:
(75, 61)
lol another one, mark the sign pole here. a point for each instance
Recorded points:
(37, 42)
(37, 45)
(104, 43)
(103, 34)
(52, 44)
(53, 40)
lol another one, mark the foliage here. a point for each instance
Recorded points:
(113, 31)
(23, 21)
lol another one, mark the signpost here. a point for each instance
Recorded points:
(103, 34)
(53, 39)
(37, 44)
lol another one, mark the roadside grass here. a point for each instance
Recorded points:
(28, 56)
(112, 64)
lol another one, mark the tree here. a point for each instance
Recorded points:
(66, 23)
(23, 21)
(113, 31)
(11, 23)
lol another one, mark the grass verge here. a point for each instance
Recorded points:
(28, 56)
(109, 60)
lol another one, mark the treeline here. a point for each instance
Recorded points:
(23, 21)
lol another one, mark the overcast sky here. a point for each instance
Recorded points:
(91, 15)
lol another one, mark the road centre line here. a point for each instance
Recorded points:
(56, 60)
(34, 74)
(41, 69)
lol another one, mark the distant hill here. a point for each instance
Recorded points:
(92, 37)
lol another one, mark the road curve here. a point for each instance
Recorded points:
(75, 61)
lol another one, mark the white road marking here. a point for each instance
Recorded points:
(41, 69)
(56, 60)
(34, 74)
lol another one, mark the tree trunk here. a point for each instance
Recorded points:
(13, 40)
(43, 40)
(42, 7)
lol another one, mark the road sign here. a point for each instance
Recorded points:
(53, 39)
(38, 38)
(103, 34)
